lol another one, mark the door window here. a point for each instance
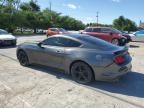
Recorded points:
(62, 42)
(105, 30)
(68, 42)
(51, 41)
(96, 29)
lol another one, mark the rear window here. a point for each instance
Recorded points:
(53, 29)
(97, 43)
(62, 30)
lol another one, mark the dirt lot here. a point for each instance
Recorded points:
(42, 87)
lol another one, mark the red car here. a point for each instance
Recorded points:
(107, 34)
(55, 31)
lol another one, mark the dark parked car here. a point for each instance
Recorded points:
(106, 33)
(84, 57)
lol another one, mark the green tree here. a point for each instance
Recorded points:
(124, 24)
(14, 14)
(31, 11)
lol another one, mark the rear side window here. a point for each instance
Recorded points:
(96, 30)
(98, 43)
(88, 30)
(105, 30)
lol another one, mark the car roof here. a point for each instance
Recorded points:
(54, 28)
(100, 27)
(74, 35)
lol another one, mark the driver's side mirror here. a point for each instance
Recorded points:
(40, 44)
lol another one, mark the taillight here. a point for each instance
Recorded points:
(119, 59)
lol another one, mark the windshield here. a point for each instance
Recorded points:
(98, 43)
(3, 32)
(62, 30)
(117, 31)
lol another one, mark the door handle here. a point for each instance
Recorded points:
(58, 51)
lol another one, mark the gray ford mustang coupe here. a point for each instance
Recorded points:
(84, 57)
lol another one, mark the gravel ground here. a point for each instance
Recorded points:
(42, 87)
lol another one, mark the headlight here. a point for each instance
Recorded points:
(119, 34)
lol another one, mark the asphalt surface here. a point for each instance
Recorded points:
(43, 87)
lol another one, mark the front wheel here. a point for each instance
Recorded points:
(115, 42)
(82, 73)
(23, 58)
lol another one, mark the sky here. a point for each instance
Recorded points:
(86, 10)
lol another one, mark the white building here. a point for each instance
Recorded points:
(141, 25)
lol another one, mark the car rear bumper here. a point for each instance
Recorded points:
(111, 72)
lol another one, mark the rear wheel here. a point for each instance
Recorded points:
(115, 42)
(23, 58)
(82, 73)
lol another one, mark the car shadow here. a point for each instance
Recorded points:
(134, 46)
(131, 84)
(7, 47)
(53, 71)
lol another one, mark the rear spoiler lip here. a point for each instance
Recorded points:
(122, 50)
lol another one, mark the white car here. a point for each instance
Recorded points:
(6, 38)
(138, 36)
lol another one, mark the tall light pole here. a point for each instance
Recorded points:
(50, 5)
(97, 16)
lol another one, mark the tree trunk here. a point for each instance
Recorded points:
(21, 30)
(35, 30)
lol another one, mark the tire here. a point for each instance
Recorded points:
(115, 41)
(82, 73)
(23, 58)
(123, 42)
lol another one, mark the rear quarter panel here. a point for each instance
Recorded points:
(91, 57)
